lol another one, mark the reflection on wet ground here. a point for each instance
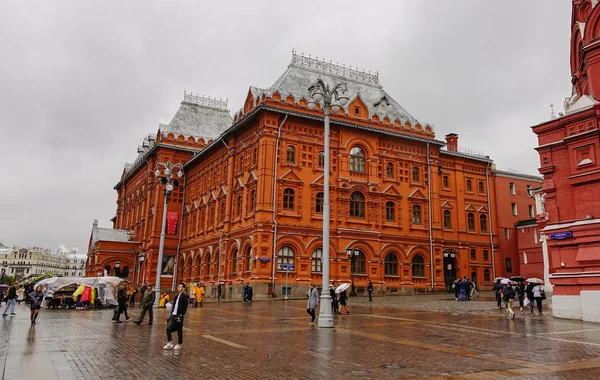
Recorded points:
(401, 337)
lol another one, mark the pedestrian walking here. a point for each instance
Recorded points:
(147, 303)
(539, 295)
(370, 290)
(199, 294)
(245, 293)
(529, 293)
(509, 296)
(343, 301)
(250, 292)
(334, 299)
(175, 322)
(122, 308)
(20, 295)
(11, 301)
(455, 287)
(520, 290)
(474, 289)
(219, 290)
(35, 300)
(498, 291)
(313, 301)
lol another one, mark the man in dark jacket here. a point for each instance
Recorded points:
(175, 323)
(146, 304)
(11, 301)
(529, 292)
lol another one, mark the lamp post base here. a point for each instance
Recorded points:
(156, 297)
(325, 311)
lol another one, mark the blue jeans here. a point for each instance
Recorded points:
(10, 303)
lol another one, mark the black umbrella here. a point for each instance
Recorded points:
(517, 278)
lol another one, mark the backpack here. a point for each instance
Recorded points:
(509, 294)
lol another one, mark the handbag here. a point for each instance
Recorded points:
(543, 294)
(526, 302)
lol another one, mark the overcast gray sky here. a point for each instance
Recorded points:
(81, 82)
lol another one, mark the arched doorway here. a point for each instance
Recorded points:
(449, 268)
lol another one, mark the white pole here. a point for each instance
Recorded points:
(286, 282)
(161, 248)
(325, 312)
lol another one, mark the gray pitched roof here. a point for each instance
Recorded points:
(110, 234)
(199, 117)
(304, 71)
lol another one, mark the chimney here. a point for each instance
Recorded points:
(452, 142)
(94, 233)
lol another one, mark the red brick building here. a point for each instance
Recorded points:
(518, 232)
(413, 211)
(569, 149)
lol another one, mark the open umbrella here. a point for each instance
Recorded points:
(498, 279)
(342, 287)
(535, 280)
(517, 278)
(505, 281)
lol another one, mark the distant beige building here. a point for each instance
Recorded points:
(23, 262)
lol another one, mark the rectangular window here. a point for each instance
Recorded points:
(486, 255)
(531, 211)
(535, 236)
(513, 206)
(481, 187)
(507, 234)
(509, 265)
(529, 191)
(321, 162)
(513, 190)
(445, 182)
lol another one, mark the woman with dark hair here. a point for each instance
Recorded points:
(35, 298)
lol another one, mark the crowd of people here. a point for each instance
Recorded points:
(528, 296)
(464, 289)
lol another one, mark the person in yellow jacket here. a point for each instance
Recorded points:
(199, 294)
(164, 298)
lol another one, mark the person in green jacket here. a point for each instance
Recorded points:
(147, 304)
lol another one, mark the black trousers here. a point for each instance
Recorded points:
(312, 313)
(177, 327)
(538, 301)
(144, 310)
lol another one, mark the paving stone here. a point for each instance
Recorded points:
(421, 336)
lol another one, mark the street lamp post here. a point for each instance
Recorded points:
(332, 99)
(352, 255)
(118, 268)
(165, 174)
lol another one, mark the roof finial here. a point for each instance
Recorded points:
(552, 114)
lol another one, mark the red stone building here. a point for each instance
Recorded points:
(518, 232)
(413, 212)
(569, 149)
(134, 240)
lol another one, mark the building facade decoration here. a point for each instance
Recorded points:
(22, 262)
(410, 212)
(569, 150)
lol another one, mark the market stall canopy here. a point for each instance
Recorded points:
(106, 286)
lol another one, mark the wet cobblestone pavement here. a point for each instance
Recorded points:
(402, 337)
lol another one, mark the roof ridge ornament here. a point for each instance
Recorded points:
(334, 68)
(203, 101)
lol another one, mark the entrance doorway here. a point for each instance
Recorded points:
(449, 268)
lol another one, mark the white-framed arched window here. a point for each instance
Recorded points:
(285, 256)
(357, 159)
(317, 261)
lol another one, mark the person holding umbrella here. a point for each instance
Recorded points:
(538, 293)
(498, 291)
(341, 290)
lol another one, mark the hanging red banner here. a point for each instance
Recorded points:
(172, 218)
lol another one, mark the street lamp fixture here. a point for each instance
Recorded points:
(331, 99)
(352, 255)
(164, 173)
(141, 258)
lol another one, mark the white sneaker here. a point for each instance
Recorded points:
(168, 346)
(177, 347)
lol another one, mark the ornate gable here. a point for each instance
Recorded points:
(470, 208)
(447, 205)
(290, 176)
(417, 194)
